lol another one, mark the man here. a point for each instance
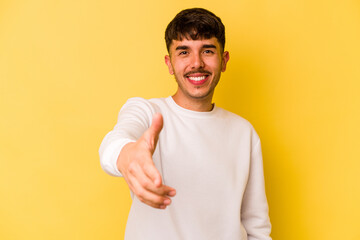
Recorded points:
(195, 169)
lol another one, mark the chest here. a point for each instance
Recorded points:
(201, 154)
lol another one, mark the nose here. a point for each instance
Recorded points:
(197, 61)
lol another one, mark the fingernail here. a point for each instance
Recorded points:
(172, 193)
(167, 201)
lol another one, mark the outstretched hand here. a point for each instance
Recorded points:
(136, 165)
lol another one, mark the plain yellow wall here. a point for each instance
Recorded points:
(66, 68)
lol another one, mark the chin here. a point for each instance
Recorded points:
(200, 96)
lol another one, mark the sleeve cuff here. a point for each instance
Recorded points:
(109, 157)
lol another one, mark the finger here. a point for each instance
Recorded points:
(171, 192)
(156, 125)
(140, 174)
(129, 183)
(152, 134)
(153, 173)
(145, 172)
(148, 197)
(163, 190)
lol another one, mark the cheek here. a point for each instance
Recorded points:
(215, 66)
(213, 62)
(179, 67)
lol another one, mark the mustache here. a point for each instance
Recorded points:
(197, 71)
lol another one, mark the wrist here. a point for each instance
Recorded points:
(122, 158)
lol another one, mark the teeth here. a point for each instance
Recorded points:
(197, 78)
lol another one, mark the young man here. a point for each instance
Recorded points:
(195, 169)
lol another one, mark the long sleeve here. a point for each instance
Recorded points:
(218, 151)
(134, 118)
(255, 212)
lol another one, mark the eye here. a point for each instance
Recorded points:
(208, 52)
(183, 53)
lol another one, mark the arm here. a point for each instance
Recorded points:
(127, 151)
(133, 120)
(254, 210)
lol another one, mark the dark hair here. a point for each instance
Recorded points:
(195, 23)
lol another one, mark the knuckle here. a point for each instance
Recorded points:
(145, 184)
(159, 201)
(153, 205)
(160, 191)
(140, 193)
(150, 167)
(150, 170)
(131, 168)
(136, 192)
(142, 200)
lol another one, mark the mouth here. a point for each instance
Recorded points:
(197, 78)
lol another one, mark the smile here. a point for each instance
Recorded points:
(197, 80)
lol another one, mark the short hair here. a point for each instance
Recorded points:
(195, 23)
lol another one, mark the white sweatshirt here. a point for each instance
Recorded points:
(213, 160)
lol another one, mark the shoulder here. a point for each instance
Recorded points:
(138, 102)
(234, 118)
(141, 107)
(151, 105)
(239, 123)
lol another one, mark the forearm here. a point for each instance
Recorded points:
(109, 153)
(134, 118)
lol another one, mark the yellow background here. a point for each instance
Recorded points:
(66, 68)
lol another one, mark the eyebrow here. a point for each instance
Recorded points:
(209, 46)
(184, 47)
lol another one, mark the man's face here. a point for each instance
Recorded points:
(197, 66)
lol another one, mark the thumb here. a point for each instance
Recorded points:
(152, 134)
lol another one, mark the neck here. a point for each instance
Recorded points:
(199, 105)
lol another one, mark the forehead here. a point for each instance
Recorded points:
(198, 43)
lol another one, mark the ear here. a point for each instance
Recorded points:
(225, 59)
(168, 63)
